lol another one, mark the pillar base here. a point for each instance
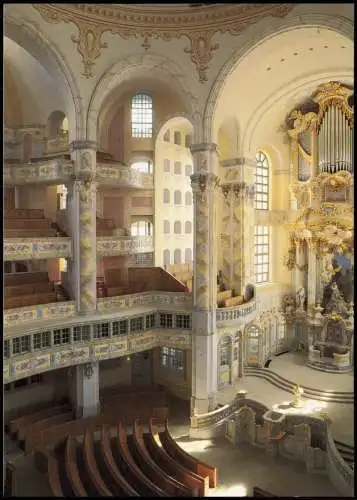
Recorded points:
(87, 411)
(200, 406)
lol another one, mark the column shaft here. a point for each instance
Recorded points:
(85, 389)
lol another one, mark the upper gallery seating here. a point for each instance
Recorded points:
(27, 223)
(124, 462)
(105, 227)
(28, 289)
(144, 279)
(183, 273)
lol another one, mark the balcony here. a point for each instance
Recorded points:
(37, 248)
(60, 171)
(113, 245)
(236, 316)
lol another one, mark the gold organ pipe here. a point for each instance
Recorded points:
(332, 132)
(334, 136)
(345, 149)
(338, 137)
(328, 139)
(314, 142)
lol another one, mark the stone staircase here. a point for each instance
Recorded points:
(347, 452)
(288, 386)
(61, 292)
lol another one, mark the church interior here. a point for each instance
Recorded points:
(178, 250)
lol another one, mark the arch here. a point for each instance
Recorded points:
(54, 124)
(339, 24)
(172, 120)
(177, 197)
(166, 196)
(166, 227)
(188, 227)
(177, 256)
(177, 138)
(134, 65)
(188, 198)
(228, 139)
(188, 255)
(177, 227)
(166, 257)
(31, 39)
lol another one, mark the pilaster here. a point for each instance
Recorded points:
(204, 350)
(312, 276)
(82, 218)
(85, 389)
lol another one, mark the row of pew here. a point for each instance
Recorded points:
(142, 461)
(29, 288)
(27, 223)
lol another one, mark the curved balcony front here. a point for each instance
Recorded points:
(60, 171)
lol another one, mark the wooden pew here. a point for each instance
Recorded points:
(92, 469)
(27, 223)
(60, 457)
(31, 433)
(259, 492)
(28, 277)
(28, 289)
(72, 468)
(151, 469)
(191, 463)
(24, 213)
(30, 233)
(198, 485)
(30, 300)
(46, 462)
(136, 477)
(25, 420)
(118, 477)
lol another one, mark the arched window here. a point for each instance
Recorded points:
(144, 166)
(177, 138)
(57, 125)
(177, 168)
(167, 166)
(188, 256)
(141, 116)
(167, 135)
(166, 196)
(177, 197)
(188, 170)
(177, 256)
(177, 227)
(166, 227)
(188, 227)
(141, 228)
(262, 182)
(166, 257)
(188, 198)
(261, 254)
(187, 141)
(224, 352)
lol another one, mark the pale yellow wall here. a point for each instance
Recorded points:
(171, 181)
(12, 103)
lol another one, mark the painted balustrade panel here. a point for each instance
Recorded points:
(113, 245)
(31, 314)
(110, 173)
(37, 248)
(238, 315)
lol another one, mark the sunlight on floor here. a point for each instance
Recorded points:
(237, 490)
(192, 446)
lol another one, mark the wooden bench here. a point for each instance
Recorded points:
(150, 468)
(28, 289)
(24, 213)
(143, 484)
(118, 477)
(72, 468)
(234, 301)
(92, 469)
(35, 416)
(27, 223)
(54, 477)
(259, 492)
(30, 433)
(60, 457)
(30, 233)
(29, 300)
(198, 485)
(189, 462)
(14, 279)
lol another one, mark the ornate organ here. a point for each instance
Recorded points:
(321, 133)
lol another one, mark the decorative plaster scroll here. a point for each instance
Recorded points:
(198, 25)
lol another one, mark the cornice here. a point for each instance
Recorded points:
(199, 25)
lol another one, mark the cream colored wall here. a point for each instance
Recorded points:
(171, 212)
(177, 383)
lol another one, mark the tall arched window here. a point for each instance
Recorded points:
(188, 227)
(177, 256)
(177, 138)
(141, 228)
(166, 257)
(177, 227)
(261, 256)
(262, 182)
(177, 197)
(166, 227)
(166, 196)
(167, 135)
(188, 198)
(188, 256)
(141, 116)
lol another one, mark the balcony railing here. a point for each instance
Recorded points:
(238, 315)
(60, 171)
(37, 248)
(57, 145)
(113, 245)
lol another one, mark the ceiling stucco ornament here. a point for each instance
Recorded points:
(199, 25)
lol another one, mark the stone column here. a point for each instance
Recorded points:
(82, 218)
(204, 338)
(84, 380)
(300, 263)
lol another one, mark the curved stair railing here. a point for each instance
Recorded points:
(309, 392)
